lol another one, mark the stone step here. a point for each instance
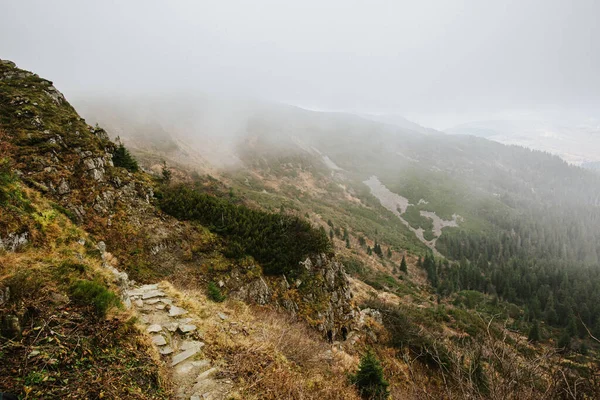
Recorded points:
(159, 340)
(187, 328)
(175, 311)
(152, 294)
(146, 288)
(184, 356)
(172, 327)
(189, 367)
(191, 344)
(205, 387)
(135, 293)
(206, 374)
(154, 328)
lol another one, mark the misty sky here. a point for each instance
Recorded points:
(415, 58)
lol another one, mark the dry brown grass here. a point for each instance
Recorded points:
(266, 353)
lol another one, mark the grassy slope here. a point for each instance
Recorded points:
(65, 347)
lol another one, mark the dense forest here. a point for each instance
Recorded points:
(562, 294)
(277, 241)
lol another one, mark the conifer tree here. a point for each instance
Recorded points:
(362, 241)
(166, 173)
(122, 158)
(564, 341)
(369, 379)
(534, 332)
(403, 266)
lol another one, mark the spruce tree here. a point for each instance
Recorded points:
(369, 379)
(534, 332)
(166, 173)
(564, 342)
(122, 158)
(403, 266)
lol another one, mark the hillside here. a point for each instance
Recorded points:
(68, 195)
(573, 138)
(516, 225)
(282, 269)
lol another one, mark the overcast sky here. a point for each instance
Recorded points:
(418, 57)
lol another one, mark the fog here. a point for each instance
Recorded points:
(438, 62)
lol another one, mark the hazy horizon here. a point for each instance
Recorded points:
(439, 63)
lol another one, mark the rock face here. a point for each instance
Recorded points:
(338, 317)
(321, 294)
(256, 291)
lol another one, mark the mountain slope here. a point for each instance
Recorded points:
(511, 226)
(303, 178)
(66, 196)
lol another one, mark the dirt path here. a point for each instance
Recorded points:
(179, 342)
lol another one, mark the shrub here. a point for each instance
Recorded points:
(92, 294)
(369, 378)
(214, 293)
(277, 241)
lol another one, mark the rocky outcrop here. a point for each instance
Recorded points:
(255, 291)
(320, 293)
(338, 317)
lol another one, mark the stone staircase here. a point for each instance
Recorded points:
(179, 342)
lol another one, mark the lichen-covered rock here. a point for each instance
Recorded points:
(95, 167)
(256, 291)
(63, 188)
(320, 294)
(14, 241)
(56, 96)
